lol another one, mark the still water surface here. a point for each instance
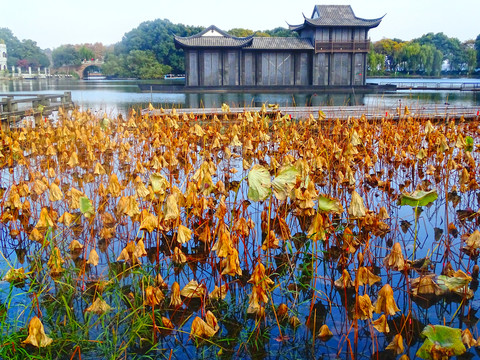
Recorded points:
(117, 96)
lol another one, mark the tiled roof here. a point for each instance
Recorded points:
(336, 15)
(219, 38)
(280, 43)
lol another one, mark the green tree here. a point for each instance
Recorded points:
(26, 50)
(85, 53)
(477, 49)
(144, 65)
(451, 49)
(157, 36)
(375, 62)
(66, 55)
(240, 32)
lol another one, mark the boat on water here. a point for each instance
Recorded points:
(95, 76)
(174, 77)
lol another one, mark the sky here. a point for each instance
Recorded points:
(52, 23)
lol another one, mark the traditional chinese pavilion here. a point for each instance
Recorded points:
(331, 50)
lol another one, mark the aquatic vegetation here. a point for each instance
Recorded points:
(238, 236)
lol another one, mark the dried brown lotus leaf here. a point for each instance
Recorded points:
(212, 320)
(396, 345)
(282, 310)
(75, 245)
(55, 193)
(381, 324)
(365, 276)
(67, 219)
(171, 208)
(193, 290)
(363, 307)
(184, 234)
(357, 208)
(149, 223)
(140, 249)
(93, 258)
(175, 299)
(114, 188)
(167, 323)
(99, 307)
(55, 262)
(124, 255)
(153, 296)
(395, 259)
(99, 169)
(294, 321)
(44, 221)
(39, 187)
(218, 293)
(73, 161)
(385, 302)
(201, 329)
(324, 334)
(37, 236)
(345, 281)
(178, 256)
(36, 334)
(15, 275)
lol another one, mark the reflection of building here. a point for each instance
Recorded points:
(331, 50)
(3, 56)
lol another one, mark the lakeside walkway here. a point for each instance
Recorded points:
(430, 111)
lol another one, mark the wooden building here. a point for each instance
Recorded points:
(330, 50)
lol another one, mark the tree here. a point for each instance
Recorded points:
(85, 53)
(23, 50)
(477, 49)
(157, 36)
(66, 55)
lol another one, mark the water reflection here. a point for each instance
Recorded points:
(118, 96)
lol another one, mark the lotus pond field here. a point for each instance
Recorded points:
(248, 236)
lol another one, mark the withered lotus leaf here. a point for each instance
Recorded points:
(55, 262)
(175, 299)
(114, 188)
(468, 339)
(73, 161)
(218, 293)
(75, 245)
(385, 302)
(167, 323)
(396, 345)
(212, 320)
(357, 208)
(93, 258)
(99, 169)
(259, 277)
(294, 321)
(284, 181)
(193, 290)
(15, 275)
(365, 276)
(473, 241)
(223, 245)
(36, 235)
(44, 221)
(67, 219)
(271, 241)
(124, 255)
(99, 307)
(201, 329)
(159, 183)
(55, 193)
(395, 259)
(149, 223)
(140, 249)
(178, 256)
(131, 209)
(39, 187)
(184, 234)
(232, 261)
(282, 310)
(153, 296)
(171, 208)
(381, 324)
(426, 285)
(75, 196)
(363, 307)
(316, 231)
(36, 334)
(328, 204)
(345, 281)
(324, 333)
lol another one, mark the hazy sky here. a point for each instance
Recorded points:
(52, 23)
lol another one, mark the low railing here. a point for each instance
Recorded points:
(342, 46)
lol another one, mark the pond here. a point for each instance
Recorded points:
(303, 239)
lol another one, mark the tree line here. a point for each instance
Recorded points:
(149, 52)
(430, 55)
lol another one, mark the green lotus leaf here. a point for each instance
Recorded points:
(468, 143)
(86, 207)
(441, 342)
(418, 198)
(284, 182)
(259, 183)
(329, 205)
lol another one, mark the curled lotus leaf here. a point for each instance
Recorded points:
(329, 205)
(284, 182)
(259, 183)
(357, 208)
(418, 198)
(99, 307)
(441, 342)
(36, 334)
(86, 207)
